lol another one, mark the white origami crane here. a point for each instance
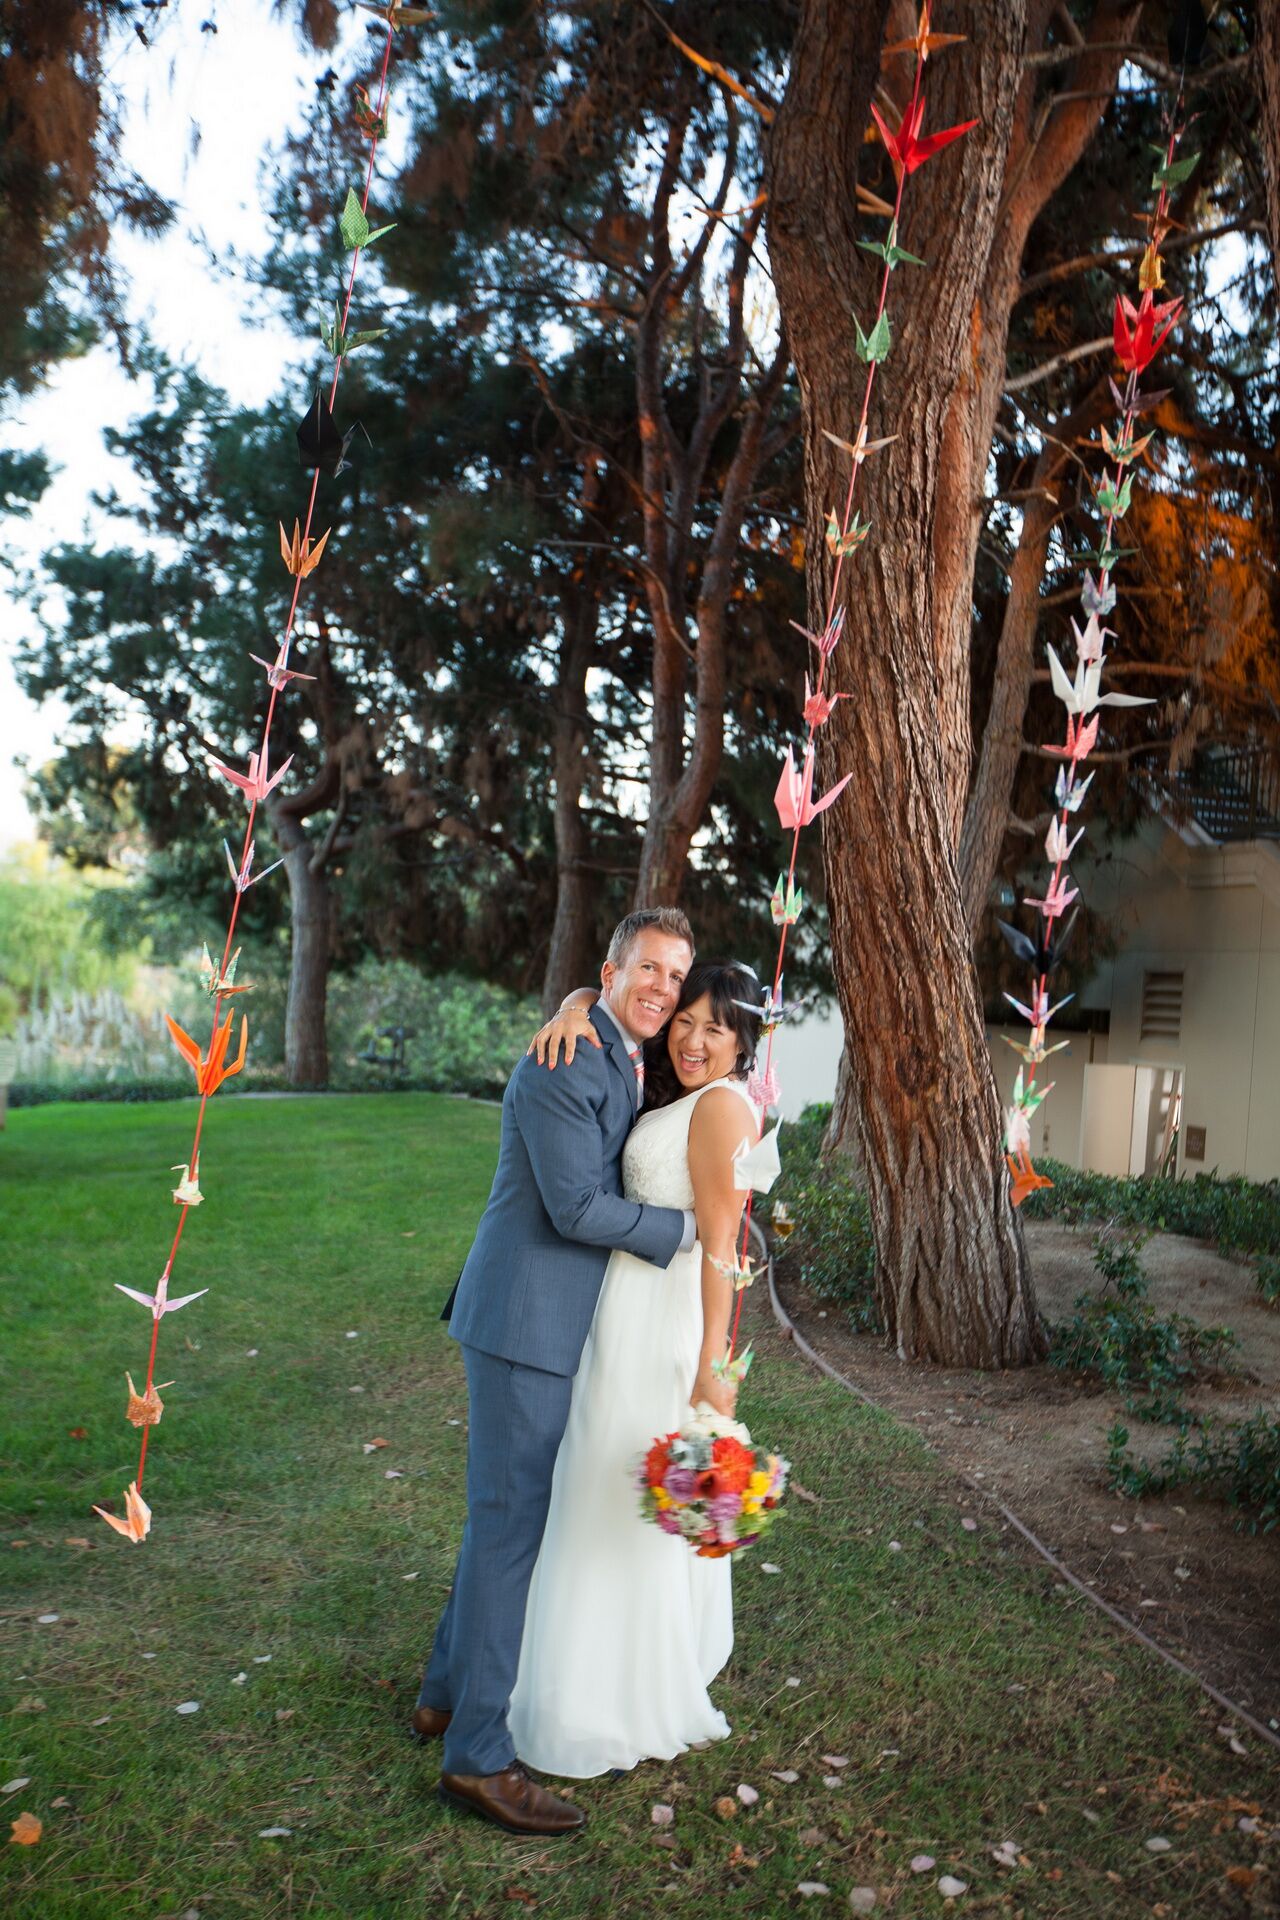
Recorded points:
(757, 1166)
(1083, 694)
(159, 1301)
(1070, 792)
(1089, 643)
(1058, 843)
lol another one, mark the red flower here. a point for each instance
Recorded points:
(716, 1550)
(1136, 340)
(656, 1461)
(734, 1465)
(907, 148)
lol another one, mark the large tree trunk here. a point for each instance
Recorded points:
(306, 1053)
(569, 953)
(1267, 60)
(952, 1278)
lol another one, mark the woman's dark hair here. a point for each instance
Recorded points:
(726, 982)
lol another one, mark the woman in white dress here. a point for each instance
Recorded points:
(626, 1626)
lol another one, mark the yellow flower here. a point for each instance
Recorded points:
(662, 1497)
(758, 1486)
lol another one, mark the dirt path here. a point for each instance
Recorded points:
(1036, 1437)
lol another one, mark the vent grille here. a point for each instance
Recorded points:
(1161, 1006)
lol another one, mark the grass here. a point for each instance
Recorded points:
(976, 1701)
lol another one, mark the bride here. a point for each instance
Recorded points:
(626, 1626)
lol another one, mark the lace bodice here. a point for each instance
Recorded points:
(655, 1160)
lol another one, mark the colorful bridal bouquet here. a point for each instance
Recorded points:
(710, 1484)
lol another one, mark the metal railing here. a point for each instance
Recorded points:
(1233, 793)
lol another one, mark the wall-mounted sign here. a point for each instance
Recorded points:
(1194, 1147)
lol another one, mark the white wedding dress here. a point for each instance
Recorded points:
(626, 1626)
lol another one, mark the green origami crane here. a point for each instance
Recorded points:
(1113, 501)
(354, 227)
(1172, 173)
(841, 545)
(874, 346)
(890, 252)
(341, 343)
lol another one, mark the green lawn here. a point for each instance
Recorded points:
(975, 1701)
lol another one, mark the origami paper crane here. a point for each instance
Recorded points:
(818, 706)
(255, 784)
(829, 639)
(785, 902)
(144, 1409)
(212, 1070)
(1089, 642)
(1039, 1013)
(924, 42)
(734, 1371)
(136, 1524)
(873, 347)
(772, 1011)
(892, 254)
(1069, 793)
(1058, 847)
(159, 1301)
(1114, 501)
(1017, 1130)
(908, 148)
(1124, 448)
(220, 985)
(1172, 173)
(1028, 1097)
(1151, 271)
(1134, 402)
(370, 122)
(842, 541)
(353, 224)
(321, 443)
(1057, 899)
(794, 796)
(244, 875)
(1034, 1055)
(341, 343)
(1099, 598)
(1134, 332)
(1041, 952)
(1024, 1177)
(762, 1086)
(1083, 694)
(396, 14)
(1082, 737)
(757, 1166)
(299, 556)
(278, 672)
(859, 449)
(187, 1192)
(739, 1272)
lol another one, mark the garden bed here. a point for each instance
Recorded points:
(1036, 1438)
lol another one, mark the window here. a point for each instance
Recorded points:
(1161, 1006)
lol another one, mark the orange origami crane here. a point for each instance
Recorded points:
(136, 1524)
(923, 42)
(210, 1070)
(1024, 1176)
(144, 1409)
(298, 554)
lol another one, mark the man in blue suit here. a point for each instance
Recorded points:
(522, 1310)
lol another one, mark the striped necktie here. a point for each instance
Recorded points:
(637, 1061)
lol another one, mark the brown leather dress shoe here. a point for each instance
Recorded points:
(429, 1723)
(511, 1800)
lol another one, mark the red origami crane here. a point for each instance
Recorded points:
(210, 1072)
(794, 797)
(1136, 341)
(908, 148)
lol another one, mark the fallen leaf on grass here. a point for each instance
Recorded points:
(274, 1833)
(812, 1837)
(285, 1713)
(951, 1887)
(522, 1894)
(78, 1433)
(238, 1679)
(75, 1541)
(408, 1576)
(832, 1780)
(1243, 1877)
(787, 1775)
(835, 1760)
(46, 1619)
(26, 1830)
(1157, 1844)
(1006, 1854)
(1234, 1741)
(767, 1566)
(792, 1681)
(393, 1473)
(31, 1704)
(261, 1659)
(188, 1706)
(862, 1900)
(372, 1446)
(923, 1863)
(662, 1816)
(802, 1493)
(16, 1786)
(61, 1801)
(725, 1807)
(747, 1795)
(811, 1887)
(101, 1721)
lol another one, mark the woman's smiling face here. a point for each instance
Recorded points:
(701, 1047)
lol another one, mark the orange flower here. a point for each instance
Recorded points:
(656, 1461)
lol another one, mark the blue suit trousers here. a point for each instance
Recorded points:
(518, 1416)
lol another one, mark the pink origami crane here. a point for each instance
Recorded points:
(762, 1086)
(794, 797)
(1056, 900)
(159, 1301)
(254, 784)
(1082, 737)
(829, 639)
(280, 673)
(818, 706)
(244, 875)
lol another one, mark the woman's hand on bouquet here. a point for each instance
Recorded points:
(565, 1029)
(720, 1394)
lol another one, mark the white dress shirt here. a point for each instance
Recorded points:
(690, 1221)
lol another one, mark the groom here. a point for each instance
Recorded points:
(522, 1309)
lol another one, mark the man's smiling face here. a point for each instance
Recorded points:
(642, 991)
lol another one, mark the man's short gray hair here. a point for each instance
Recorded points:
(663, 919)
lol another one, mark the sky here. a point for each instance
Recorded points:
(245, 87)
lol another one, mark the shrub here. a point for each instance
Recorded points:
(1268, 1278)
(1238, 1460)
(832, 1250)
(1118, 1334)
(1236, 1215)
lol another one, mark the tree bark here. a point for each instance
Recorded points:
(1267, 57)
(306, 1052)
(569, 951)
(952, 1277)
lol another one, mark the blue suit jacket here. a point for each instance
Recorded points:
(556, 1211)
